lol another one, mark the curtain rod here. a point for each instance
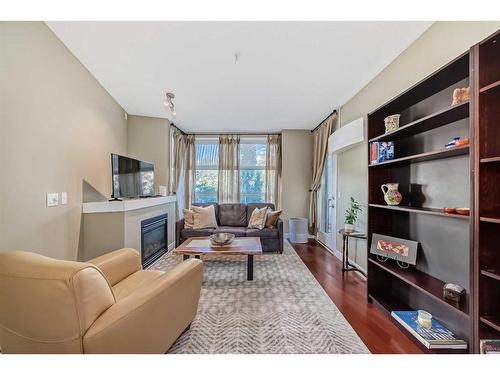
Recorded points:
(226, 133)
(223, 133)
(326, 118)
(179, 129)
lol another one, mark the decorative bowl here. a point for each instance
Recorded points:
(221, 239)
(462, 210)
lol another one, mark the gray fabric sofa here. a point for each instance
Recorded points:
(233, 218)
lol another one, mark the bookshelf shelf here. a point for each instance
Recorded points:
(420, 210)
(486, 219)
(426, 156)
(491, 321)
(425, 283)
(490, 86)
(494, 274)
(435, 120)
(388, 303)
(490, 160)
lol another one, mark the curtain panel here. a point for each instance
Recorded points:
(273, 170)
(320, 150)
(229, 169)
(182, 168)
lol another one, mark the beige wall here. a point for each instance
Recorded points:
(441, 43)
(148, 140)
(58, 127)
(297, 174)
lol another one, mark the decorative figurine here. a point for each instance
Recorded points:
(460, 95)
(391, 123)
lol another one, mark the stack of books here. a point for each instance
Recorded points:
(436, 337)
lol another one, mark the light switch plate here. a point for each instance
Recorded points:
(64, 198)
(52, 199)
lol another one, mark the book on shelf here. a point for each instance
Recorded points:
(381, 151)
(436, 337)
(489, 346)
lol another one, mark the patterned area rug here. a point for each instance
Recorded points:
(283, 310)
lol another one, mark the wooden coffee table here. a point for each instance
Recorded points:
(240, 246)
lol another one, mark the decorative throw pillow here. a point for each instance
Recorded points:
(204, 217)
(258, 218)
(272, 218)
(188, 218)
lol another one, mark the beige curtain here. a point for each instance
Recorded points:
(177, 153)
(320, 150)
(189, 171)
(182, 168)
(273, 170)
(229, 169)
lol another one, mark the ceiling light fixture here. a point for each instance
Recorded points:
(169, 104)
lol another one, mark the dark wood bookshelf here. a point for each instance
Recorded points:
(423, 282)
(485, 84)
(426, 156)
(425, 106)
(435, 120)
(420, 210)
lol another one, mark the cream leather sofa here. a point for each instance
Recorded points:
(108, 305)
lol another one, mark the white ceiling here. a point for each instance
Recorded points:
(290, 75)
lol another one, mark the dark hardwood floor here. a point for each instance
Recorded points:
(348, 292)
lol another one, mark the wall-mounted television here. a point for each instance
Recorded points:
(132, 178)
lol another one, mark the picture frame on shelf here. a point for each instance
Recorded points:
(398, 249)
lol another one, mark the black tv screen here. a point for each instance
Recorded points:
(132, 178)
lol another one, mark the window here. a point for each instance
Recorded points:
(252, 170)
(206, 176)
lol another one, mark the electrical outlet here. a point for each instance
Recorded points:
(64, 198)
(52, 199)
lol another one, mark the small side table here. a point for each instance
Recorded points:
(346, 266)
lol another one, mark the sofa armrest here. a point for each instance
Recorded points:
(118, 264)
(279, 225)
(151, 318)
(179, 226)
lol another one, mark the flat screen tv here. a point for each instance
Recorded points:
(132, 178)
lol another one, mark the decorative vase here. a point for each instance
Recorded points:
(391, 195)
(391, 123)
(349, 228)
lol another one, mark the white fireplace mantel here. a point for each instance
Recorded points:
(125, 205)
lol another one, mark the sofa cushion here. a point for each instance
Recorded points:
(204, 217)
(262, 233)
(233, 215)
(189, 232)
(237, 231)
(216, 207)
(253, 206)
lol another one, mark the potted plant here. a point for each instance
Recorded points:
(351, 215)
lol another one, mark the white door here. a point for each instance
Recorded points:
(327, 204)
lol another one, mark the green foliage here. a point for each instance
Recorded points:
(351, 214)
